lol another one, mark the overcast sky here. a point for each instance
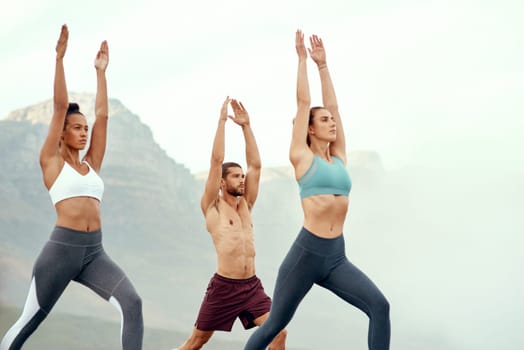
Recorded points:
(418, 81)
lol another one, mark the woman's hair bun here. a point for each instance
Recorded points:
(73, 108)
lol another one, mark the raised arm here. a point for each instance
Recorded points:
(217, 158)
(299, 153)
(97, 148)
(329, 99)
(49, 151)
(241, 117)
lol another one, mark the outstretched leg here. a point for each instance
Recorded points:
(108, 280)
(54, 268)
(295, 278)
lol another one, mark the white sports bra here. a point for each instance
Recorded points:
(70, 183)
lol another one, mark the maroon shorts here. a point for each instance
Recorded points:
(227, 298)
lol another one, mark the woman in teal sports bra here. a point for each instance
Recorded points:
(318, 155)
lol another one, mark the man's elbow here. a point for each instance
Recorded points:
(217, 160)
(255, 165)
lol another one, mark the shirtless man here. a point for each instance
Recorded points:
(234, 290)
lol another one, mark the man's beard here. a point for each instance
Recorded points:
(235, 191)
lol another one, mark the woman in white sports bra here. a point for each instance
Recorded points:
(74, 251)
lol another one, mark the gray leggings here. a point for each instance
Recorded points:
(72, 255)
(313, 259)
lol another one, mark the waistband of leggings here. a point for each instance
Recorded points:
(235, 280)
(320, 245)
(74, 237)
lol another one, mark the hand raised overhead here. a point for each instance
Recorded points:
(299, 45)
(102, 56)
(317, 52)
(241, 116)
(223, 110)
(61, 44)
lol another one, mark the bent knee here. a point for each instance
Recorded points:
(131, 303)
(135, 301)
(385, 306)
(381, 307)
(197, 341)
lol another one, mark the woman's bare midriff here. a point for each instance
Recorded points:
(79, 213)
(325, 214)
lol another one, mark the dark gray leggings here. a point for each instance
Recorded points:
(72, 255)
(313, 259)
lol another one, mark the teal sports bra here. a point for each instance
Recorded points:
(323, 177)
